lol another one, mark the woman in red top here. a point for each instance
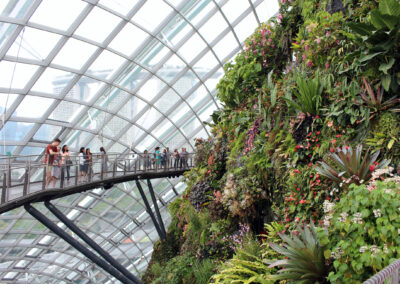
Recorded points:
(51, 151)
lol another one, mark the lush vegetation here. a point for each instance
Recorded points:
(300, 179)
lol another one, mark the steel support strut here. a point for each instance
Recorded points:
(77, 245)
(153, 198)
(148, 209)
(74, 228)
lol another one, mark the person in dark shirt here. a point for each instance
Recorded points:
(51, 152)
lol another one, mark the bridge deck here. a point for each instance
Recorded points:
(30, 185)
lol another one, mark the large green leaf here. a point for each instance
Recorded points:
(377, 19)
(369, 56)
(386, 82)
(390, 7)
(384, 67)
(363, 29)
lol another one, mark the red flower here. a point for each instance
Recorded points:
(372, 167)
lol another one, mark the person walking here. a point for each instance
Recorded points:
(164, 159)
(176, 158)
(56, 167)
(89, 163)
(82, 165)
(146, 160)
(104, 160)
(157, 156)
(184, 157)
(66, 161)
(51, 151)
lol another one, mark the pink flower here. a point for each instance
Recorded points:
(371, 168)
(306, 48)
(327, 65)
(279, 17)
(309, 63)
(328, 33)
(268, 32)
(304, 56)
(283, 1)
(318, 40)
(338, 42)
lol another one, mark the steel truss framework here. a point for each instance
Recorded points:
(157, 91)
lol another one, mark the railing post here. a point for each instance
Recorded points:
(4, 191)
(76, 173)
(124, 167)
(62, 176)
(44, 177)
(9, 172)
(135, 165)
(26, 181)
(89, 178)
(114, 167)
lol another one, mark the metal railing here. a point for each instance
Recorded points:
(22, 175)
(389, 274)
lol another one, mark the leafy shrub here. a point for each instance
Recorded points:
(308, 95)
(304, 260)
(349, 166)
(363, 235)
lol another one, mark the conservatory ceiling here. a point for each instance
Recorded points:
(128, 75)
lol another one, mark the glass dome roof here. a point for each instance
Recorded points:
(123, 74)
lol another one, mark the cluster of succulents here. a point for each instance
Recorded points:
(199, 194)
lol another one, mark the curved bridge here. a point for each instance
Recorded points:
(24, 177)
(25, 180)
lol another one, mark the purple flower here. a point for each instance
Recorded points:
(309, 63)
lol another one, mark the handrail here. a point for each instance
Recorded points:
(390, 272)
(18, 179)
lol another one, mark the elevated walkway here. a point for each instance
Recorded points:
(23, 178)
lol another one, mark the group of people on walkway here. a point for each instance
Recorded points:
(165, 159)
(58, 160)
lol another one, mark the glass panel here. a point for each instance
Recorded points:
(213, 27)
(123, 41)
(152, 9)
(15, 131)
(132, 76)
(266, 9)
(131, 135)
(6, 99)
(31, 151)
(192, 48)
(14, 8)
(57, 14)
(5, 31)
(74, 54)
(120, 6)
(162, 129)
(105, 65)
(115, 126)
(66, 111)
(110, 99)
(23, 73)
(33, 107)
(198, 13)
(85, 89)
(190, 126)
(97, 142)
(132, 107)
(206, 112)
(205, 64)
(246, 27)
(52, 81)
(198, 97)
(117, 148)
(180, 112)
(36, 44)
(233, 9)
(224, 47)
(169, 99)
(155, 55)
(149, 118)
(174, 31)
(185, 83)
(47, 132)
(145, 144)
(151, 88)
(213, 80)
(94, 119)
(171, 68)
(97, 25)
